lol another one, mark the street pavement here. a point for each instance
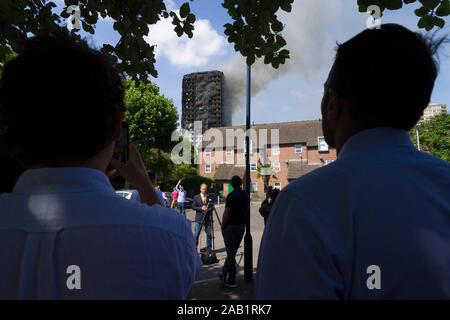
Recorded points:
(207, 286)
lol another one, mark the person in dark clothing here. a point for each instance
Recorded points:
(266, 205)
(233, 227)
(200, 204)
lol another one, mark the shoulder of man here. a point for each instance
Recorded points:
(155, 216)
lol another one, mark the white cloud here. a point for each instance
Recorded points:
(170, 5)
(297, 94)
(183, 51)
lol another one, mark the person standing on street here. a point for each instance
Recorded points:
(181, 198)
(233, 228)
(174, 198)
(200, 205)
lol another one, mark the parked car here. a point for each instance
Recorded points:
(188, 203)
(129, 194)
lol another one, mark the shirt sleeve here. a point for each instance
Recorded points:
(308, 267)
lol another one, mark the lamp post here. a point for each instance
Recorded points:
(301, 165)
(417, 136)
(248, 242)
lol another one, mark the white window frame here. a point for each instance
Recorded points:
(252, 147)
(228, 152)
(277, 166)
(255, 166)
(275, 150)
(208, 152)
(255, 188)
(319, 147)
(277, 187)
(296, 149)
(206, 168)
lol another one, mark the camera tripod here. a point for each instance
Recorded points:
(209, 213)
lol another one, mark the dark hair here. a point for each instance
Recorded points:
(58, 99)
(387, 75)
(152, 175)
(236, 182)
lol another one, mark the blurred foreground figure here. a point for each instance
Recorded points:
(64, 233)
(375, 224)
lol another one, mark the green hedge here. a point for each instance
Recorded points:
(192, 185)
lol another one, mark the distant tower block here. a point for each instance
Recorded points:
(202, 100)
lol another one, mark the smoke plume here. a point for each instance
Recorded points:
(309, 45)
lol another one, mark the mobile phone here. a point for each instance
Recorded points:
(121, 150)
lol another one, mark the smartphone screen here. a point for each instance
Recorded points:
(121, 150)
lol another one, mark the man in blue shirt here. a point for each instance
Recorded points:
(65, 233)
(375, 224)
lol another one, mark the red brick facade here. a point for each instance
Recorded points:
(287, 157)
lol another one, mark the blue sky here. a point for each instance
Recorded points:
(292, 93)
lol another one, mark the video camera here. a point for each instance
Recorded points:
(210, 202)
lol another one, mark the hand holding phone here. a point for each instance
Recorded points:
(135, 173)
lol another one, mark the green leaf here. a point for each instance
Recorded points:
(394, 4)
(185, 10)
(444, 9)
(430, 4)
(88, 28)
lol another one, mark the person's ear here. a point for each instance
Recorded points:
(336, 105)
(117, 122)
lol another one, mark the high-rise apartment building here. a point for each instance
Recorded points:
(433, 110)
(202, 100)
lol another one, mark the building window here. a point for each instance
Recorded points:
(275, 150)
(207, 153)
(229, 152)
(323, 146)
(277, 185)
(253, 186)
(253, 166)
(328, 161)
(208, 168)
(277, 166)
(298, 148)
(252, 147)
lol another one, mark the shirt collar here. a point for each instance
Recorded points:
(376, 138)
(62, 180)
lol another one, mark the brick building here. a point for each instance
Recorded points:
(291, 148)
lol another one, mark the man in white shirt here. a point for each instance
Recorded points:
(64, 232)
(375, 224)
(181, 198)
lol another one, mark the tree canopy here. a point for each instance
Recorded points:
(434, 136)
(255, 29)
(430, 13)
(151, 117)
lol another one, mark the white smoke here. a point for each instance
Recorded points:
(310, 49)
